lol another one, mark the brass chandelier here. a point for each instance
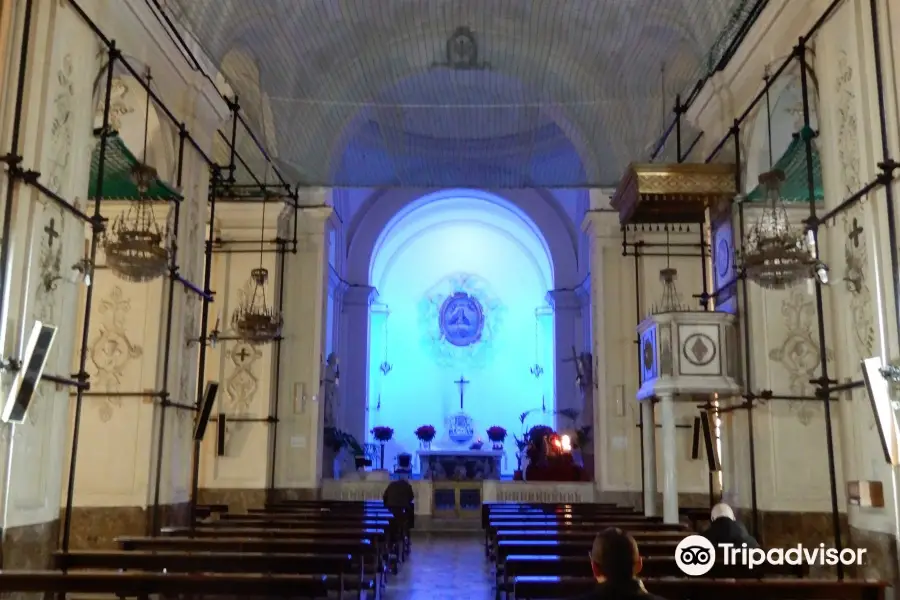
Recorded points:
(255, 320)
(776, 255)
(135, 244)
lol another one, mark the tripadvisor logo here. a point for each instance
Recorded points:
(695, 556)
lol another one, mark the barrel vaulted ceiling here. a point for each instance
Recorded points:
(460, 93)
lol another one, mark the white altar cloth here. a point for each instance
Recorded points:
(460, 452)
(459, 463)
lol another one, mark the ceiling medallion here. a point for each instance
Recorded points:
(462, 51)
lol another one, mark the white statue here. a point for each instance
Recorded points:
(330, 381)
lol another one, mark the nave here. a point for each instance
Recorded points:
(345, 549)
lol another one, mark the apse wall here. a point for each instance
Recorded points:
(486, 251)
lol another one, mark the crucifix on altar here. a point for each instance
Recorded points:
(461, 382)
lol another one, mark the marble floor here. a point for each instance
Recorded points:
(444, 567)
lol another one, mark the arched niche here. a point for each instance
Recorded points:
(445, 243)
(129, 116)
(786, 101)
(376, 213)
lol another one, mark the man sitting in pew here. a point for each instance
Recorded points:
(400, 498)
(616, 563)
(725, 529)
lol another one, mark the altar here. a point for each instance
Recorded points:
(460, 464)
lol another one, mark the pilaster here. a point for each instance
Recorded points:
(243, 369)
(299, 448)
(569, 345)
(356, 314)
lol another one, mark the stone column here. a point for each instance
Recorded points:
(670, 458)
(299, 446)
(648, 441)
(569, 335)
(355, 333)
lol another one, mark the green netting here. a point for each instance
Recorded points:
(795, 187)
(118, 183)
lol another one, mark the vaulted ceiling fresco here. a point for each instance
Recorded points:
(467, 93)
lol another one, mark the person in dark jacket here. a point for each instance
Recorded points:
(616, 563)
(400, 499)
(725, 529)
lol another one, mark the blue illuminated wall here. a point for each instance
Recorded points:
(482, 249)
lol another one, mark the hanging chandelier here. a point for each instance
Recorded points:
(135, 244)
(670, 301)
(776, 256)
(255, 321)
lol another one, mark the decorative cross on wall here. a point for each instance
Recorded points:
(461, 382)
(855, 233)
(51, 232)
(243, 354)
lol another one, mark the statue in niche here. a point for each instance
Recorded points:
(330, 381)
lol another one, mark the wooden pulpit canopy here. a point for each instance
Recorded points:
(672, 193)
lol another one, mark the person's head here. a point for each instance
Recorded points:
(614, 556)
(721, 510)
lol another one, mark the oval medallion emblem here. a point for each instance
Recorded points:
(461, 319)
(723, 257)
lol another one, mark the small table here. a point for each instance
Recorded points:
(459, 464)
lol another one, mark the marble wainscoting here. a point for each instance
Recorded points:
(786, 529)
(98, 526)
(881, 555)
(289, 494)
(636, 499)
(236, 499)
(29, 546)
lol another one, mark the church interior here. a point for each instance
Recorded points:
(548, 266)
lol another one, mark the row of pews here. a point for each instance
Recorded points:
(541, 551)
(302, 549)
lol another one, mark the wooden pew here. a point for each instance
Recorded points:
(538, 587)
(654, 567)
(166, 584)
(372, 558)
(538, 531)
(347, 568)
(571, 548)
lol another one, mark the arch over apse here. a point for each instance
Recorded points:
(531, 210)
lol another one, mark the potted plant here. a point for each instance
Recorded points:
(382, 435)
(337, 440)
(497, 435)
(426, 434)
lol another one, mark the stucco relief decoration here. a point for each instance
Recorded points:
(241, 385)
(799, 353)
(856, 253)
(119, 104)
(112, 351)
(61, 130)
(460, 317)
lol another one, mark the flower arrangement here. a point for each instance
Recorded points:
(426, 433)
(382, 434)
(496, 433)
